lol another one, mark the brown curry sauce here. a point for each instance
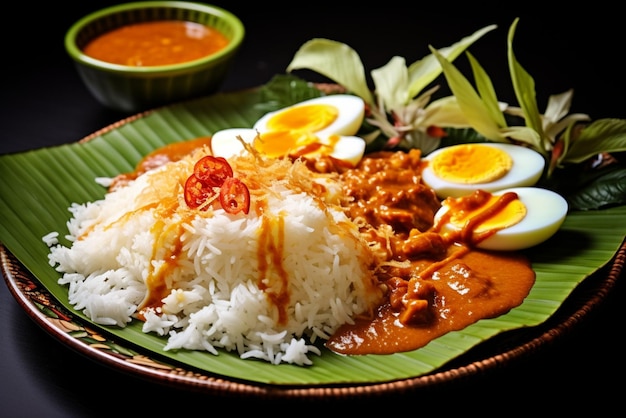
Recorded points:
(434, 283)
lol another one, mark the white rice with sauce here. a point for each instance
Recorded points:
(210, 280)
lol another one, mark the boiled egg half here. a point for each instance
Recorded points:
(507, 220)
(460, 169)
(324, 125)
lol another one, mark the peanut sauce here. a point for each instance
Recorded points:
(462, 291)
(468, 233)
(472, 224)
(156, 43)
(434, 283)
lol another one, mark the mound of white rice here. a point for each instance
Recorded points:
(268, 284)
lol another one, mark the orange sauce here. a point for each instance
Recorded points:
(273, 279)
(477, 285)
(439, 283)
(158, 281)
(163, 42)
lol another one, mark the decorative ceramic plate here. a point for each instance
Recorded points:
(575, 269)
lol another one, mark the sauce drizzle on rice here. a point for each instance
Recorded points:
(157, 282)
(273, 277)
(268, 285)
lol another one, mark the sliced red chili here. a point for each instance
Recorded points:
(235, 196)
(196, 192)
(212, 171)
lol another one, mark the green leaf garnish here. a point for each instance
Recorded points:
(477, 112)
(403, 113)
(524, 87)
(336, 61)
(603, 135)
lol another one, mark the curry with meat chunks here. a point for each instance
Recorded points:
(434, 283)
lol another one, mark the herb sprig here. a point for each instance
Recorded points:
(403, 114)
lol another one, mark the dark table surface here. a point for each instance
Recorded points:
(45, 104)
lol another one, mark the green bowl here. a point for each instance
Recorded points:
(133, 89)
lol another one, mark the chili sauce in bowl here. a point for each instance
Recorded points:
(136, 56)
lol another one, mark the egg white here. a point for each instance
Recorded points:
(225, 144)
(348, 148)
(348, 122)
(527, 168)
(546, 211)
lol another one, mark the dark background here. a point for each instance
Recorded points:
(579, 48)
(43, 103)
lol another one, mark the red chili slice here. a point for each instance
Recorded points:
(212, 171)
(235, 196)
(196, 192)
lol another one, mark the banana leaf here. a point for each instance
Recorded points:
(37, 188)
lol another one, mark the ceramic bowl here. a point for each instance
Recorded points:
(132, 88)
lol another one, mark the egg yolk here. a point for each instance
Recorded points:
(276, 144)
(310, 118)
(482, 214)
(471, 164)
(292, 131)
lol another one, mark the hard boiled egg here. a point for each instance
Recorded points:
(510, 219)
(459, 169)
(225, 144)
(324, 125)
(336, 114)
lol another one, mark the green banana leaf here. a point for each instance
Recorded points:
(37, 187)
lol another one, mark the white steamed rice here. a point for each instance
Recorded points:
(135, 234)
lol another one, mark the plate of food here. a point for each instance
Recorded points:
(185, 244)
